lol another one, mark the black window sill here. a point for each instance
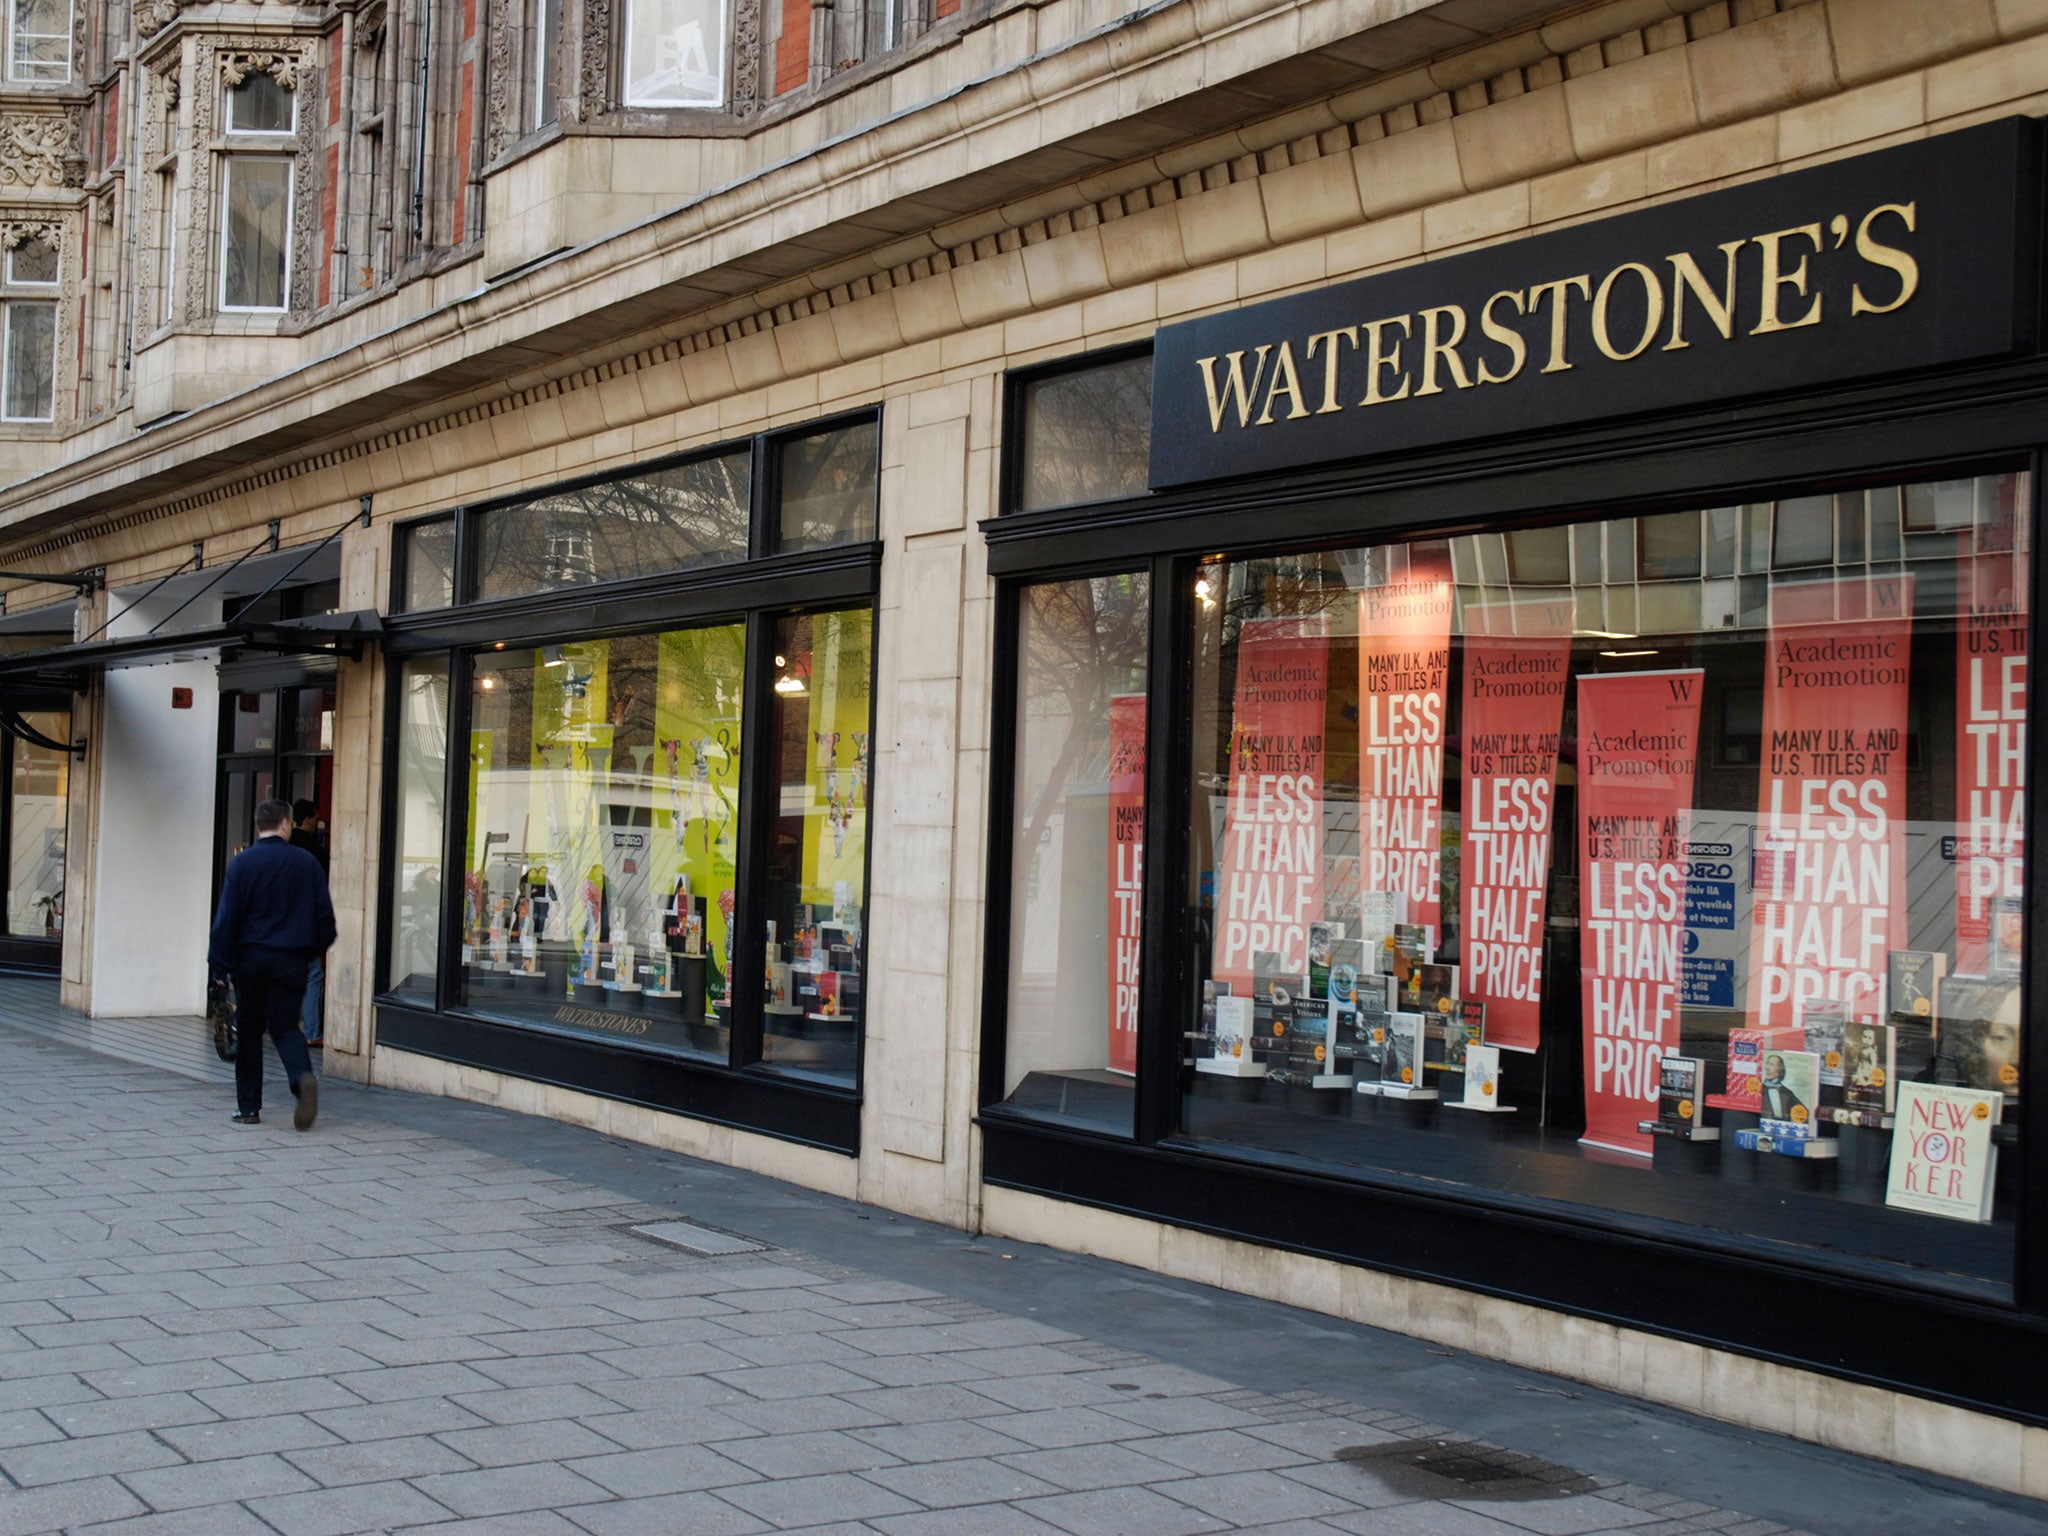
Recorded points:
(760, 1100)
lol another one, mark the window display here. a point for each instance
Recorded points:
(818, 845)
(414, 881)
(1077, 851)
(1671, 866)
(602, 836)
(39, 797)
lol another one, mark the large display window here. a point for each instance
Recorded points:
(1633, 864)
(655, 835)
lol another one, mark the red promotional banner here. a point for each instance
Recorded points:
(1991, 742)
(1638, 752)
(1126, 874)
(1270, 865)
(1830, 881)
(1515, 657)
(1404, 659)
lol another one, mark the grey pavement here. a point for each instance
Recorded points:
(428, 1315)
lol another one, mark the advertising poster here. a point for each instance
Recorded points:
(1516, 657)
(1126, 874)
(836, 756)
(1270, 864)
(1991, 752)
(1404, 657)
(1638, 753)
(696, 781)
(1830, 885)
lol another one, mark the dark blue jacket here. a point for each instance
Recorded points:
(274, 902)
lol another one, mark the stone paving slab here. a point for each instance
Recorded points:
(378, 1327)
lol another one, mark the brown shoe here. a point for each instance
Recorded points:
(309, 1103)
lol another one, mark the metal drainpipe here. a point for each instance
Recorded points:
(346, 160)
(419, 161)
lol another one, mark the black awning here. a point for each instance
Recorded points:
(71, 667)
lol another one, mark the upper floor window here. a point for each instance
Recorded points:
(28, 332)
(39, 41)
(260, 104)
(675, 53)
(545, 102)
(256, 195)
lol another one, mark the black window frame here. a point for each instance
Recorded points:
(1877, 1327)
(1016, 391)
(745, 1092)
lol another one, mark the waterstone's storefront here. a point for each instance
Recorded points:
(1512, 775)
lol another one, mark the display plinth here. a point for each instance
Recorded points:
(1480, 1122)
(1230, 1066)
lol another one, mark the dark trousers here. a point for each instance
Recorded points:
(269, 992)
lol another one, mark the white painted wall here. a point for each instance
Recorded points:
(153, 858)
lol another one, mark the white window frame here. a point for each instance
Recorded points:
(14, 280)
(716, 44)
(167, 229)
(290, 128)
(227, 163)
(17, 71)
(7, 356)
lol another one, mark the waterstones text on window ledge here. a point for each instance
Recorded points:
(1667, 865)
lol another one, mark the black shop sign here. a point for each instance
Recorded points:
(1910, 258)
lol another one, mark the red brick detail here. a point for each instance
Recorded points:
(945, 7)
(468, 19)
(793, 48)
(465, 118)
(112, 148)
(327, 196)
(334, 68)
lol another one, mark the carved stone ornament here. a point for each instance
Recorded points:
(746, 59)
(237, 67)
(152, 16)
(34, 150)
(501, 103)
(593, 71)
(15, 231)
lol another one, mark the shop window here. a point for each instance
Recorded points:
(603, 836)
(1540, 557)
(675, 53)
(419, 787)
(1692, 926)
(1076, 854)
(818, 844)
(828, 483)
(661, 824)
(38, 797)
(255, 232)
(39, 42)
(674, 519)
(426, 561)
(1085, 434)
(1669, 547)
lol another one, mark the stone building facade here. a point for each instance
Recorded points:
(324, 273)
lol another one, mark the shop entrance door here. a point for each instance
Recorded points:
(273, 742)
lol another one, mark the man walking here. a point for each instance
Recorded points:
(275, 918)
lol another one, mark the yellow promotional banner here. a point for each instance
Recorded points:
(696, 770)
(836, 756)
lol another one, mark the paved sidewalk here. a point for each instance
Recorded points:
(428, 1315)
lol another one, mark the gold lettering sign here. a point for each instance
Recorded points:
(1634, 307)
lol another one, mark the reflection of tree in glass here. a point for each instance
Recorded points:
(1084, 642)
(828, 487)
(688, 515)
(1088, 436)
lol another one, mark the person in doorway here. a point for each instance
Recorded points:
(306, 835)
(274, 919)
